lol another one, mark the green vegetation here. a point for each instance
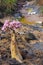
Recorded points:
(7, 5)
(41, 9)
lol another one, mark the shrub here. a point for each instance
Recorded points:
(7, 5)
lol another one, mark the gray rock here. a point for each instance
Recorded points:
(30, 36)
(38, 49)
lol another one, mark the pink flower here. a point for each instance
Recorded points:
(13, 25)
(17, 24)
(6, 24)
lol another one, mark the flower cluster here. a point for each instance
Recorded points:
(13, 25)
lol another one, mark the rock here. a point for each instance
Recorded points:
(35, 27)
(42, 23)
(0, 61)
(14, 62)
(5, 63)
(1, 15)
(2, 38)
(1, 24)
(18, 15)
(30, 36)
(27, 54)
(38, 49)
(4, 55)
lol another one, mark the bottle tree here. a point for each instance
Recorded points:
(13, 26)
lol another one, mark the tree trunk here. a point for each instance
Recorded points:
(14, 49)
